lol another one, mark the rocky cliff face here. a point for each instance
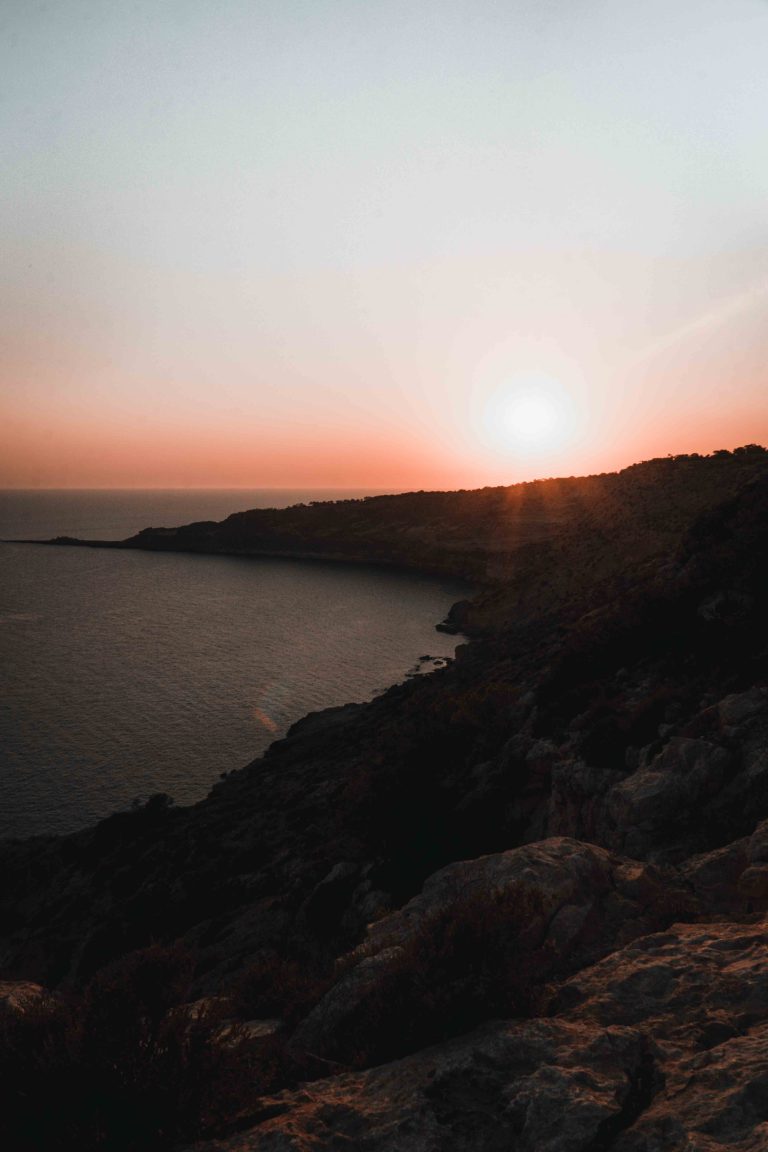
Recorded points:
(520, 902)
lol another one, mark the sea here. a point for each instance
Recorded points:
(124, 674)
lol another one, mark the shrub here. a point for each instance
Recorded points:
(126, 1067)
(40, 1076)
(279, 985)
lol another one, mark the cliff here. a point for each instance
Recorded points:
(520, 902)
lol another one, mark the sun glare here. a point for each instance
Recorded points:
(530, 419)
(529, 416)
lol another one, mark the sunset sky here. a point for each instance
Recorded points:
(378, 243)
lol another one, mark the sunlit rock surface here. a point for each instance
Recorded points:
(536, 1086)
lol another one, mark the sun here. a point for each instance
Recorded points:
(530, 419)
(528, 415)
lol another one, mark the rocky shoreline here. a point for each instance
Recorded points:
(519, 902)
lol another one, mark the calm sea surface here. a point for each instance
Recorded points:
(128, 673)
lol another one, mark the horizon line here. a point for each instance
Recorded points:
(378, 489)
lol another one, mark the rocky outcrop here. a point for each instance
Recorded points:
(732, 879)
(661, 1045)
(718, 1101)
(690, 988)
(545, 908)
(536, 1086)
(697, 992)
(515, 903)
(698, 783)
(643, 812)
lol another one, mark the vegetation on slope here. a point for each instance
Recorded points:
(615, 697)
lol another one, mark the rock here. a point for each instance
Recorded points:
(643, 811)
(689, 988)
(718, 1102)
(576, 800)
(551, 906)
(513, 786)
(698, 994)
(337, 1026)
(322, 722)
(757, 847)
(726, 607)
(535, 1086)
(457, 619)
(714, 876)
(233, 1032)
(733, 879)
(540, 877)
(258, 1029)
(20, 995)
(753, 883)
(326, 904)
(734, 710)
(744, 799)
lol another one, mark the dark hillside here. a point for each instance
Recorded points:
(479, 534)
(516, 903)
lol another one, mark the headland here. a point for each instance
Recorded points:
(519, 902)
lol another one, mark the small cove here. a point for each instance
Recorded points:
(127, 673)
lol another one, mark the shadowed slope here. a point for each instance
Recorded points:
(593, 768)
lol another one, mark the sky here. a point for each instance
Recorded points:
(378, 243)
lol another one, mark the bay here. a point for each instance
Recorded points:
(129, 673)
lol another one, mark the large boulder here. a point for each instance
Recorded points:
(535, 1086)
(698, 994)
(484, 933)
(647, 810)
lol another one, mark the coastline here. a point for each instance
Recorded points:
(578, 801)
(248, 648)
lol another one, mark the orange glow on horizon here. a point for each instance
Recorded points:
(41, 455)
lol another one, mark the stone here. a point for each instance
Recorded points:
(719, 1101)
(753, 882)
(18, 996)
(736, 709)
(643, 809)
(682, 986)
(564, 902)
(534, 1085)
